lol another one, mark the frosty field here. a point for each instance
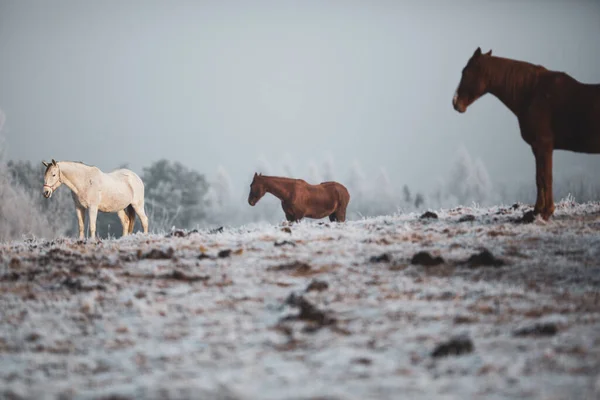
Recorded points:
(316, 310)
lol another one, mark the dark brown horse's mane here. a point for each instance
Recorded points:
(513, 71)
(513, 76)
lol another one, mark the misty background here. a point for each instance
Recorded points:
(210, 92)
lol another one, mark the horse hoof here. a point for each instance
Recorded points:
(528, 217)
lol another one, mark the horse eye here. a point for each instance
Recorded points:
(53, 174)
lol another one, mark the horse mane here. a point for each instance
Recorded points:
(513, 72)
(280, 178)
(78, 162)
(518, 79)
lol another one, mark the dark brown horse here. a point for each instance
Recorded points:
(300, 199)
(554, 110)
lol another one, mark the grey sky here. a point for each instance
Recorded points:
(226, 82)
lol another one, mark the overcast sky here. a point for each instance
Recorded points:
(228, 82)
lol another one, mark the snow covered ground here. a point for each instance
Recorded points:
(312, 311)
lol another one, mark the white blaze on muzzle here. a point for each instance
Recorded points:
(455, 98)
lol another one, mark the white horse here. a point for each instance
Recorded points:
(120, 191)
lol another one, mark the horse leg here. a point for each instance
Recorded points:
(80, 211)
(124, 221)
(289, 216)
(93, 215)
(341, 215)
(139, 210)
(333, 217)
(130, 212)
(539, 174)
(546, 180)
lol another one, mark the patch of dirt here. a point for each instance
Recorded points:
(484, 259)
(425, 259)
(429, 215)
(455, 346)
(317, 285)
(538, 329)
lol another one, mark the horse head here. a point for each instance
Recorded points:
(51, 178)
(257, 189)
(473, 83)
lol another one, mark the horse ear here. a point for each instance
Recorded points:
(45, 164)
(255, 174)
(53, 162)
(489, 53)
(477, 52)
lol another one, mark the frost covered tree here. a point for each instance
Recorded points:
(468, 181)
(357, 186)
(220, 199)
(328, 169)
(419, 201)
(22, 209)
(59, 210)
(314, 177)
(175, 195)
(482, 185)
(382, 199)
(406, 194)
(288, 166)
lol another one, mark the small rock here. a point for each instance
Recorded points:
(464, 319)
(454, 347)
(528, 218)
(284, 243)
(429, 215)
(485, 258)
(296, 266)
(202, 256)
(539, 329)
(362, 361)
(317, 285)
(426, 259)
(467, 218)
(308, 312)
(176, 233)
(140, 294)
(286, 229)
(181, 276)
(32, 337)
(224, 253)
(515, 206)
(385, 257)
(158, 254)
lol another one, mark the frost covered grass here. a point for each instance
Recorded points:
(311, 310)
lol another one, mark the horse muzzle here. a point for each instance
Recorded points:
(47, 192)
(252, 202)
(458, 105)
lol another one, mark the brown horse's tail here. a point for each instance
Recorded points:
(131, 215)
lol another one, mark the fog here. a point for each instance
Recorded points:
(238, 85)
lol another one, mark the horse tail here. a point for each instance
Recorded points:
(129, 210)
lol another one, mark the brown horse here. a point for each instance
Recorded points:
(555, 111)
(300, 199)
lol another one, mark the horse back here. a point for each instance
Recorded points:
(128, 178)
(339, 190)
(573, 109)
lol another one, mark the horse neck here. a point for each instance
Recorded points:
(511, 81)
(278, 187)
(73, 175)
